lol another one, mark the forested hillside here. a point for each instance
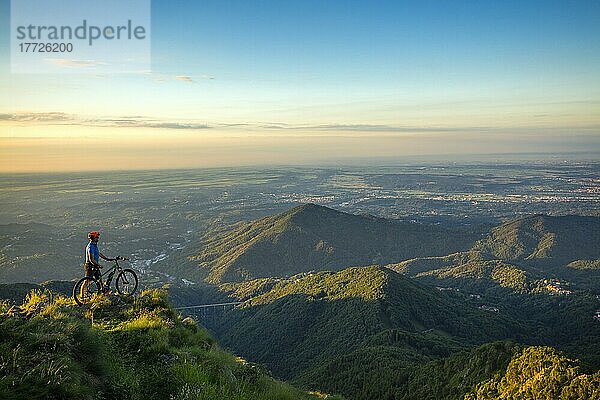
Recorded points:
(312, 237)
(557, 239)
(360, 331)
(531, 254)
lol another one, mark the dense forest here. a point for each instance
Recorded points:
(363, 331)
(311, 237)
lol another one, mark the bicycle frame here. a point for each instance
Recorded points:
(126, 282)
(110, 273)
(114, 268)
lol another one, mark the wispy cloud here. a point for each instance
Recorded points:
(392, 128)
(63, 62)
(378, 128)
(136, 121)
(142, 122)
(58, 118)
(36, 117)
(190, 79)
(184, 78)
(163, 77)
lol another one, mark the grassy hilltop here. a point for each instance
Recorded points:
(141, 349)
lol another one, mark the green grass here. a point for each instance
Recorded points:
(115, 349)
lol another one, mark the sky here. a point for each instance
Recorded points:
(307, 82)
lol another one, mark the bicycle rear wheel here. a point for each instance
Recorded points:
(127, 282)
(84, 289)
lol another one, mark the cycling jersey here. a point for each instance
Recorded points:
(92, 254)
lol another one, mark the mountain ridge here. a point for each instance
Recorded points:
(538, 237)
(523, 255)
(311, 237)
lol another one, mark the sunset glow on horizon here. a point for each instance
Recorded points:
(235, 83)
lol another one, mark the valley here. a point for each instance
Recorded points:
(372, 284)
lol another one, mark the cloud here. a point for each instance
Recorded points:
(189, 79)
(184, 78)
(145, 122)
(59, 118)
(162, 77)
(63, 62)
(386, 128)
(379, 128)
(137, 121)
(362, 128)
(141, 122)
(36, 117)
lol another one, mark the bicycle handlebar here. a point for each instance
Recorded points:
(119, 258)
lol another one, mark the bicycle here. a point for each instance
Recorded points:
(126, 283)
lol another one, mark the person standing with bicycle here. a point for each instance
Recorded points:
(91, 284)
(92, 257)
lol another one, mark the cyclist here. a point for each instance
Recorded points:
(92, 256)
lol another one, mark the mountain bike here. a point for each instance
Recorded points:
(126, 283)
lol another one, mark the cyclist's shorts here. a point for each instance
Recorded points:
(91, 271)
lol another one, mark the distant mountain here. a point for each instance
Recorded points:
(416, 328)
(527, 254)
(544, 239)
(312, 237)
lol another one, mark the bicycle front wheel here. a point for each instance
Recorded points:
(84, 289)
(127, 282)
